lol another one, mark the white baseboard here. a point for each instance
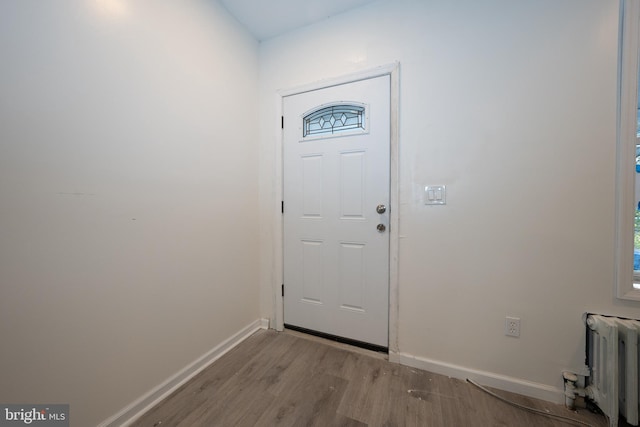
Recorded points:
(490, 379)
(137, 408)
(264, 323)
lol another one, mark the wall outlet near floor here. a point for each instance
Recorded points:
(512, 327)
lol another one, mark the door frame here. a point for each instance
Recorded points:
(392, 70)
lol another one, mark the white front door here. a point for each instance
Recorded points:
(336, 239)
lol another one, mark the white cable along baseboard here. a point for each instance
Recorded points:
(490, 379)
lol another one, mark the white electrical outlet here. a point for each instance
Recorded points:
(512, 327)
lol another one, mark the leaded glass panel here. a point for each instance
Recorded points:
(333, 119)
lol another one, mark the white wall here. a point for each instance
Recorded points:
(128, 196)
(512, 105)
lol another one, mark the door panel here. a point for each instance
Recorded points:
(312, 271)
(352, 184)
(352, 279)
(336, 262)
(312, 186)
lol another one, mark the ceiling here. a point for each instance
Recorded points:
(269, 18)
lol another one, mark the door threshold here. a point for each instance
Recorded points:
(349, 341)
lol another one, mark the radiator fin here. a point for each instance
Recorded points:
(613, 359)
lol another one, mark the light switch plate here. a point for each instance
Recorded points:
(435, 195)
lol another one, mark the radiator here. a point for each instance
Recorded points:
(613, 360)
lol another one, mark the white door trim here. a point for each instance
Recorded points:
(393, 70)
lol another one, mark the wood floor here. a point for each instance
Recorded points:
(290, 379)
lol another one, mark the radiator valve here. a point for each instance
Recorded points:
(570, 380)
(574, 388)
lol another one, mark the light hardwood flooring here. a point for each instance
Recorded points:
(291, 379)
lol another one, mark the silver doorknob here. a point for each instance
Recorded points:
(381, 227)
(381, 209)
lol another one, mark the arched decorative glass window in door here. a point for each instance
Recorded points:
(334, 119)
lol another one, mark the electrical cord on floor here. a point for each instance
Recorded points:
(526, 408)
